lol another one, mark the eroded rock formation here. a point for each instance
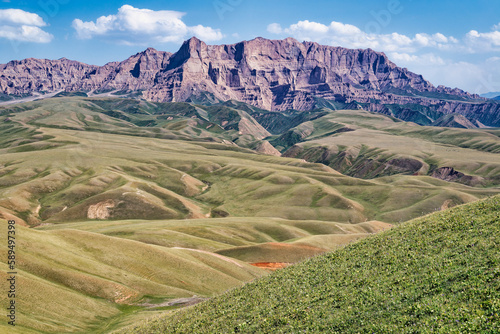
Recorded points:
(270, 74)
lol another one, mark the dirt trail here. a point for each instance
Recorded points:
(177, 302)
(36, 96)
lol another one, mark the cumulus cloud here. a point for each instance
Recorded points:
(274, 28)
(19, 25)
(141, 26)
(482, 42)
(346, 35)
(350, 36)
(477, 78)
(405, 59)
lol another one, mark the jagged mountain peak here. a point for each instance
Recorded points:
(270, 74)
(192, 45)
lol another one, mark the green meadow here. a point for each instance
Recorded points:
(369, 145)
(435, 274)
(126, 209)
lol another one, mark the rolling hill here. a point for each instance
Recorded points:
(129, 207)
(72, 159)
(73, 281)
(368, 145)
(439, 273)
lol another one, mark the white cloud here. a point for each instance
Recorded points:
(482, 42)
(350, 36)
(406, 60)
(142, 26)
(476, 78)
(307, 27)
(102, 25)
(205, 33)
(17, 16)
(346, 35)
(274, 28)
(18, 25)
(344, 29)
(25, 34)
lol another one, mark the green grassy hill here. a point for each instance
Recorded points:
(248, 239)
(72, 281)
(181, 121)
(369, 145)
(354, 142)
(51, 174)
(436, 274)
(132, 203)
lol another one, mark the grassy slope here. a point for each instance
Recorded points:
(377, 139)
(154, 172)
(364, 152)
(140, 118)
(248, 239)
(439, 273)
(147, 178)
(77, 281)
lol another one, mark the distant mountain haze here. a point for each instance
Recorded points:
(491, 95)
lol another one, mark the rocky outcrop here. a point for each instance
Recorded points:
(42, 75)
(265, 147)
(275, 75)
(449, 174)
(100, 210)
(350, 162)
(454, 121)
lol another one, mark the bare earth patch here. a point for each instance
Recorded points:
(271, 265)
(100, 210)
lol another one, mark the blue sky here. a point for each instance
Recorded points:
(455, 43)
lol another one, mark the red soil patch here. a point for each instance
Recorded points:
(271, 265)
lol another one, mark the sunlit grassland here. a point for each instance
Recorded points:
(131, 202)
(439, 273)
(148, 178)
(375, 139)
(77, 281)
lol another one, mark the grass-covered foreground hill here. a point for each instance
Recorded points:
(124, 206)
(439, 274)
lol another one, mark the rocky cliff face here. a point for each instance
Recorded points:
(271, 74)
(42, 75)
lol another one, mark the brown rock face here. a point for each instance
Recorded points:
(42, 75)
(270, 74)
(454, 121)
(449, 174)
(280, 75)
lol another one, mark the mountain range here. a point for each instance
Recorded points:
(151, 184)
(491, 95)
(276, 75)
